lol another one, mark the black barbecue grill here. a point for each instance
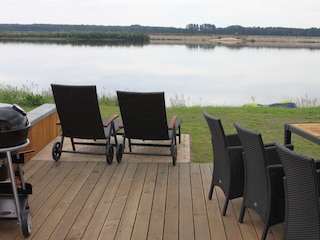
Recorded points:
(14, 128)
(14, 125)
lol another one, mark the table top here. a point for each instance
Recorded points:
(310, 131)
(312, 128)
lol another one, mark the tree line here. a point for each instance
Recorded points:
(189, 29)
(76, 37)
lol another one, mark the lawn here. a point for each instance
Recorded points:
(269, 121)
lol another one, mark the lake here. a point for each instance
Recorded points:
(196, 75)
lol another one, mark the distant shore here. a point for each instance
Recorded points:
(237, 40)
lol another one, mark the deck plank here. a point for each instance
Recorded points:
(215, 222)
(129, 214)
(156, 226)
(186, 224)
(171, 217)
(97, 221)
(199, 207)
(91, 194)
(140, 230)
(110, 226)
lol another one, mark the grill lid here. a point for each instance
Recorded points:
(12, 118)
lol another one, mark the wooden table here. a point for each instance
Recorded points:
(310, 131)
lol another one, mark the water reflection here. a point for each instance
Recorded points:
(195, 74)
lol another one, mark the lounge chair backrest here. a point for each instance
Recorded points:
(78, 111)
(144, 115)
(302, 217)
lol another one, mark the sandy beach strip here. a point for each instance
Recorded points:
(237, 40)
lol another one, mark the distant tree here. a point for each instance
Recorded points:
(192, 28)
(207, 28)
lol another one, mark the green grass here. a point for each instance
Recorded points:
(24, 96)
(269, 121)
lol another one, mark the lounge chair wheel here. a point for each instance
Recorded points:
(109, 155)
(174, 154)
(119, 152)
(56, 151)
(26, 223)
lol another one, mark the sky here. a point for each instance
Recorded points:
(165, 13)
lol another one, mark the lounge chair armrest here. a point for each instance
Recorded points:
(110, 120)
(121, 124)
(172, 122)
(233, 139)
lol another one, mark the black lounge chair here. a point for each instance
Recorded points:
(263, 181)
(80, 118)
(144, 118)
(227, 161)
(302, 196)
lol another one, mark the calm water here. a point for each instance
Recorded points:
(202, 76)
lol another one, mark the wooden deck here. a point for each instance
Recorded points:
(82, 197)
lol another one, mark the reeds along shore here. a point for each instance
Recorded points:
(237, 40)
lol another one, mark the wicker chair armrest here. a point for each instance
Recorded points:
(110, 120)
(317, 164)
(238, 148)
(233, 139)
(272, 154)
(275, 167)
(268, 145)
(318, 174)
(290, 146)
(275, 175)
(235, 157)
(172, 122)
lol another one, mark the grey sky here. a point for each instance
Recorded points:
(177, 13)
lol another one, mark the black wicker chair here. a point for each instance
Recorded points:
(144, 118)
(301, 184)
(263, 181)
(227, 161)
(80, 118)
